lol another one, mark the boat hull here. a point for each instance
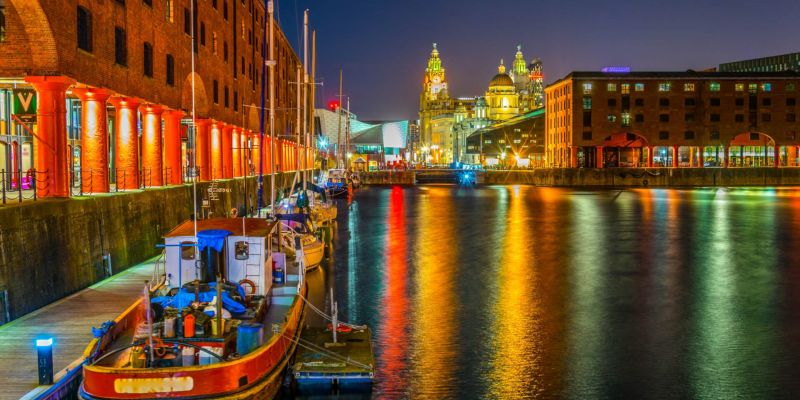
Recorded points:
(255, 376)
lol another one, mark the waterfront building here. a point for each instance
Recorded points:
(113, 85)
(673, 119)
(783, 62)
(517, 142)
(382, 145)
(446, 122)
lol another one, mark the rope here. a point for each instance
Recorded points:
(325, 352)
(329, 318)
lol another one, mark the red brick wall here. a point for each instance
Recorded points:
(36, 28)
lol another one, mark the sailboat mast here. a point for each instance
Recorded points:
(339, 127)
(298, 128)
(305, 98)
(271, 105)
(312, 103)
(261, 118)
(194, 127)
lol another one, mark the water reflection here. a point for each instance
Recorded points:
(527, 292)
(436, 308)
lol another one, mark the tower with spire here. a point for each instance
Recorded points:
(435, 104)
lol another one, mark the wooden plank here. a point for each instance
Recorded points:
(69, 322)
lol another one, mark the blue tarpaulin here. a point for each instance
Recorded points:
(187, 297)
(214, 238)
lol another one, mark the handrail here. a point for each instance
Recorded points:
(141, 342)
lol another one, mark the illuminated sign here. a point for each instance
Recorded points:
(616, 70)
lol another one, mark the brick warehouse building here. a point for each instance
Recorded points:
(108, 71)
(673, 119)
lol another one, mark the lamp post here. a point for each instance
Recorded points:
(44, 350)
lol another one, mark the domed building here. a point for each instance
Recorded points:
(446, 122)
(502, 97)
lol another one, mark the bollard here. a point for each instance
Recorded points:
(44, 349)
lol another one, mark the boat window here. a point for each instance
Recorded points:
(242, 250)
(187, 250)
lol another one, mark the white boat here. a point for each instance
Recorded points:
(295, 226)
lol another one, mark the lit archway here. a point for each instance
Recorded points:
(752, 149)
(625, 149)
(200, 96)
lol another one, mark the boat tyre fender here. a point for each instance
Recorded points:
(645, 182)
(340, 328)
(250, 284)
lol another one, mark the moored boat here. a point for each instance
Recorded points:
(172, 344)
(337, 183)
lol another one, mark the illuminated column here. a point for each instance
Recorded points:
(152, 163)
(649, 156)
(94, 139)
(256, 152)
(227, 149)
(126, 142)
(267, 154)
(573, 158)
(237, 153)
(201, 149)
(776, 156)
(599, 156)
(243, 154)
(674, 156)
(215, 150)
(700, 157)
(727, 156)
(50, 143)
(172, 146)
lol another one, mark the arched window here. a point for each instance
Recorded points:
(148, 59)
(84, 29)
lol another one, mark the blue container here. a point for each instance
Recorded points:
(248, 337)
(278, 277)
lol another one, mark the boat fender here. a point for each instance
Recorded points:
(251, 284)
(340, 328)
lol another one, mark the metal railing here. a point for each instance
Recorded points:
(19, 185)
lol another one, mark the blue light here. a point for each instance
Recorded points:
(44, 342)
(616, 70)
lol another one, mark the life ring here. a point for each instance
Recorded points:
(250, 283)
(341, 328)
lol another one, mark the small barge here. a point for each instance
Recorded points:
(221, 320)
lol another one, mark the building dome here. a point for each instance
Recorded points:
(502, 78)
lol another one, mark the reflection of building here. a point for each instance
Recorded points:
(515, 142)
(445, 122)
(673, 119)
(784, 62)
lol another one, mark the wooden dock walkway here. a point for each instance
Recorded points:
(69, 322)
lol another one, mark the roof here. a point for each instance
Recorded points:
(372, 135)
(501, 79)
(252, 226)
(688, 74)
(537, 113)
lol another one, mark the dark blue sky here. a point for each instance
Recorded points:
(383, 45)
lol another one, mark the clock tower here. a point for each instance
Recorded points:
(434, 101)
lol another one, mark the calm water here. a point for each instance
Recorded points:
(528, 292)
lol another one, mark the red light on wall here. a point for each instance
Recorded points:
(333, 105)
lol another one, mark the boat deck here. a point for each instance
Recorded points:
(69, 322)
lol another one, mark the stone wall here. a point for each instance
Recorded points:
(52, 248)
(661, 177)
(617, 177)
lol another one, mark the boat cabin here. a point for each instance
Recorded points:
(236, 248)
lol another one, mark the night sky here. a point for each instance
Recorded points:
(383, 45)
